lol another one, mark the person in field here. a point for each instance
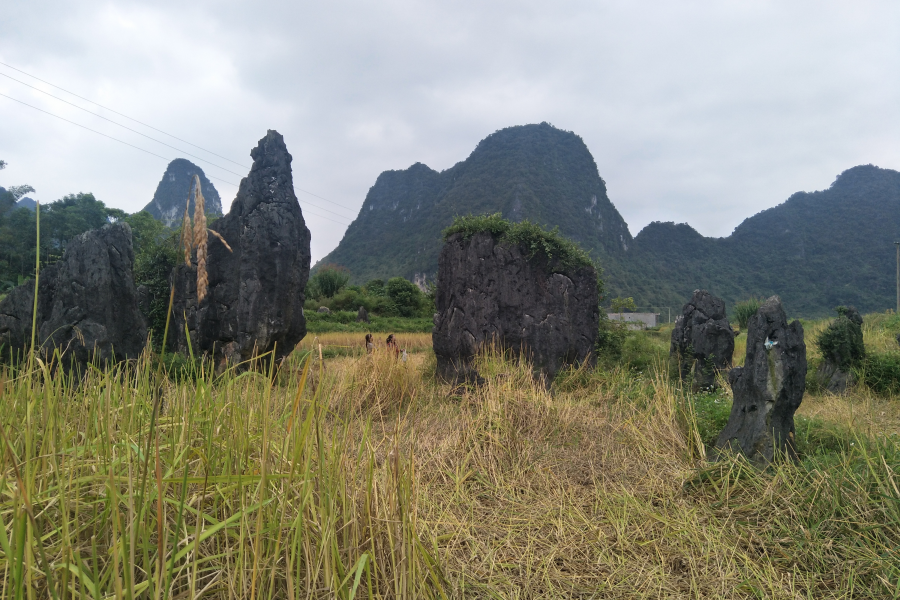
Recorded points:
(370, 344)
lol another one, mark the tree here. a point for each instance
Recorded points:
(328, 281)
(146, 231)
(405, 294)
(73, 215)
(19, 191)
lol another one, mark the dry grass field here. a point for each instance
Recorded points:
(361, 477)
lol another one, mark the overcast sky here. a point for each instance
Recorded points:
(700, 112)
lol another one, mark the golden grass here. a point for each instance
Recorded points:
(376, 481)
(355, 343)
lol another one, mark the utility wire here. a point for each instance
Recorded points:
(123, 126)
(153, 153)
(122, 115)
(145, 125)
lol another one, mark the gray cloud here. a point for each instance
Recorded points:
(705, 112)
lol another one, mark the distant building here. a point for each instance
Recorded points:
(636, 320)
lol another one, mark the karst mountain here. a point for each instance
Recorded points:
(816, 250)
(535, 172)
(173, 191)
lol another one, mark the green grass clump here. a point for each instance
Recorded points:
(530, 236)
(881, 372)
(745, 309)
(346, 321)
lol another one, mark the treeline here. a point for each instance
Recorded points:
(60, 221)
(396, 297)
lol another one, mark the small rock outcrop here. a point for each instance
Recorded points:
(172, 193)
(842, 348)
(324, 310)
(254, 303)
(87, 303)
(702, 340)
(768, 389)
(491, 292)
(362, 315)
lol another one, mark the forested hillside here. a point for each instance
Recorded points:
(816, 250)
(536, 172)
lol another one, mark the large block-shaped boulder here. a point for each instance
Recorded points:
(768, 389)
(87, 303)
(254, 303)
(702, 340)
(490, 291)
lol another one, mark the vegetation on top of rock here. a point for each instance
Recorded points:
(530, 236)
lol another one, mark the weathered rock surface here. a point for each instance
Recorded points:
(256, 292)
(324, 310)
(489, 291)
(702, 341)
(87, 303)
(172, 193)
(362, 315)
(842, 349)
(768, 389)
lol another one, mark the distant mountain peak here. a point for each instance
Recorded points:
(534, 172)
(172, 193)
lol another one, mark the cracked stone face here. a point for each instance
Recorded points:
(87, 303)
(702, 340)
(488, 292)
(768, 389)
(256, 291)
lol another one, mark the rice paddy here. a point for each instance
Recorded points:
(359, 476)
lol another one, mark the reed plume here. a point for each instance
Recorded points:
(200, 239)
(187, 236)
(221, 239)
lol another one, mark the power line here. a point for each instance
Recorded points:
(326, 200)
(123, 126)
(153, 153)
(122, 115)
(89, 129)
(145, 125)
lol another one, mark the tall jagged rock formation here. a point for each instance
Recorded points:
(489, 291)
(768, 389)
(87, 303)
(172, 193)
(256, 291)
(702, 340)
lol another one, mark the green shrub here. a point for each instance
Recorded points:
(375, 287)
(711, 411)
(611, 338)
(638, 352)
(745, 309)
(153, 266)
(327, 281)
(842, 341)
(881, 372)
(406, 295)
